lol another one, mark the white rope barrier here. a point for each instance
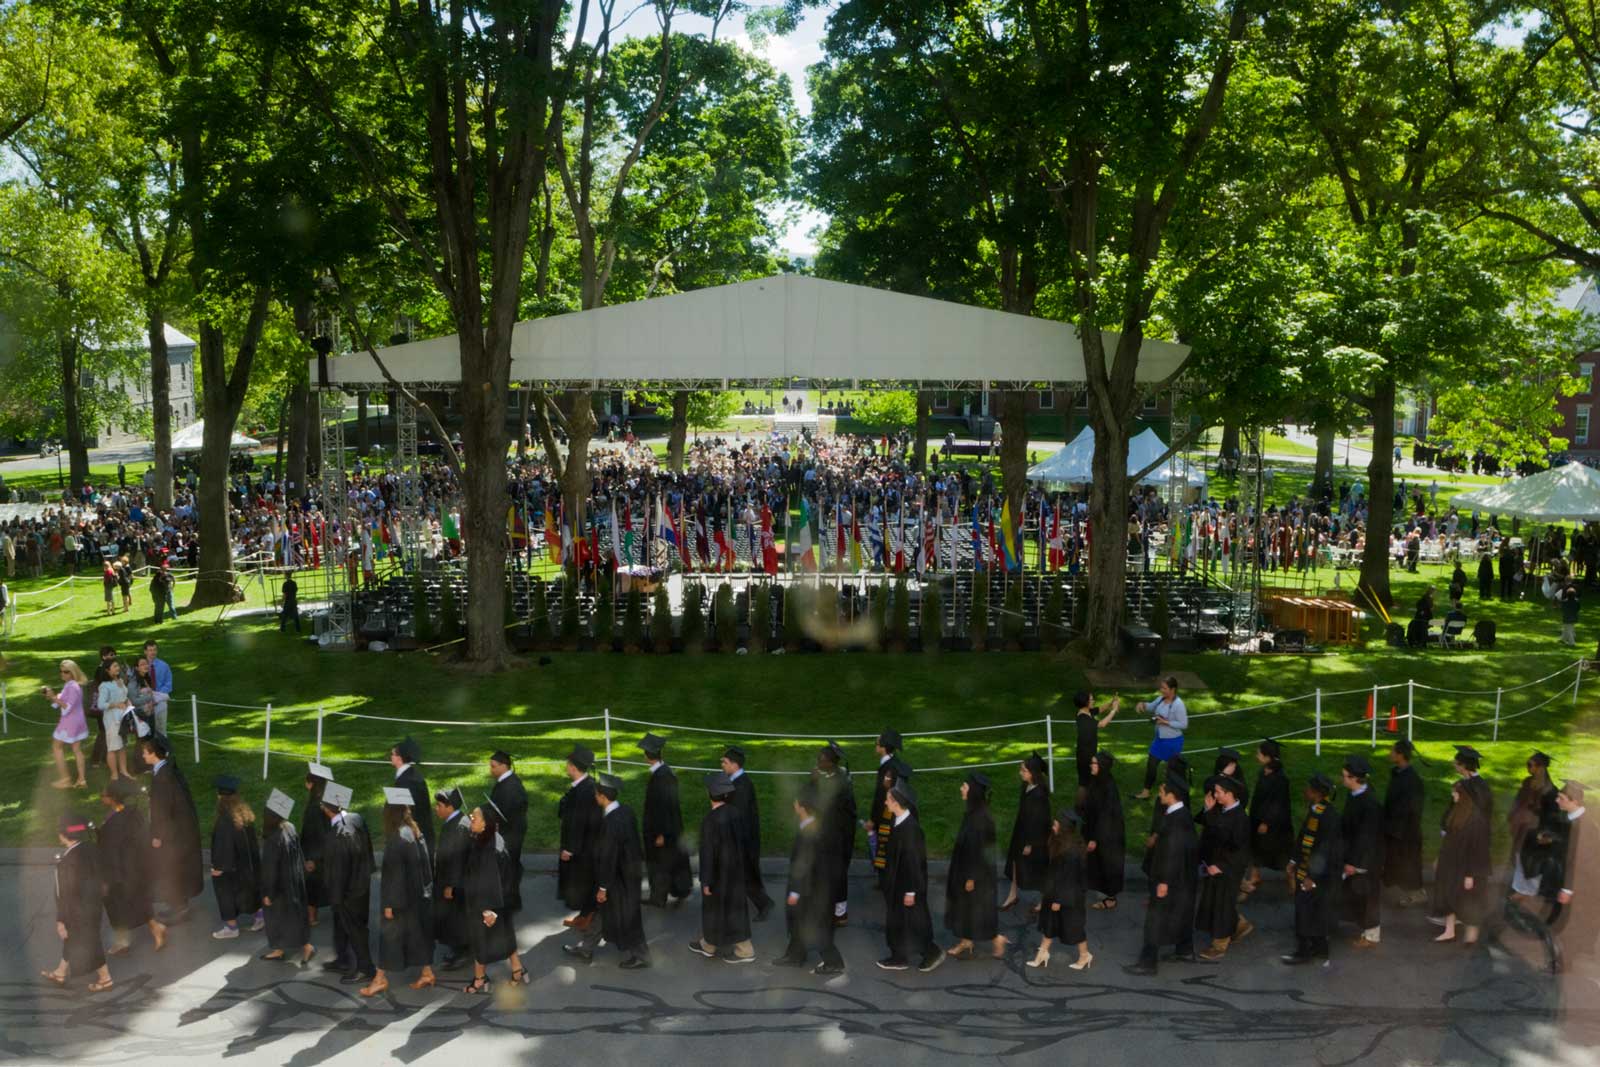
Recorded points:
(41, 611)
(452, 722)
(240, 707)
(819, 737)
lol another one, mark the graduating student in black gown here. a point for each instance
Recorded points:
(449, 878)
(1402, 825)
(1461, 873)
(313, 832)
(235, 859)
(78, 906)
(619, 882)
(1026, 862)
(283, 884)
(347, 867)
(665, 857)
(405, 757)
(970, 909)
(908, 921)
(888, 748)
(724, 900)
(1063, 903)
(124, 840)
(580, 832)
(1172, 867)
(1224, 855)
(510, 798)
(1361, 830)
(177, 874)
(1088, 723)
(808, 899)
(744, 801)
(491, 930)
(1271, 818)
(1105, 836)
(837, 819)
(405, 893)
(1575, 924)
(1316, 868)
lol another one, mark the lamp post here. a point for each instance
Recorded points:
(60, 482)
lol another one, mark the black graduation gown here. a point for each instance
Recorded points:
(1173, 860)
(975, 915)
(744, 802)
(1224, 843)
(125, 868)
(406, 889)
(450, 872)
(313, 833)
(511, 798)
(283, 881)
(836, 818)
(1463, 853)
(879, 812)
(347, 873)
(489, 870)
(236, 854)
(667, 863)
(1086, 743)
(725, 914)
(1579, 921)
(811, 863)
(421, 802)
(78, 897)
(178, 876)
(909, 929)
(1361, 825)
(1316, 875)
(1103, 825)
(580, 832)
(1065, 885)
(1031, 828)
(1270, 806)
(1402, 830)
(619, 870)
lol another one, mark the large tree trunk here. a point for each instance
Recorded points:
(677, 431)
(575, 474)
(160, 402)
(485, 359)
(1108, 542)
(919, 453)
(72, 415)
(363, 431)
(301, 404)
(1014, 450)
(1229, 448)
(1322, 478)
(283, 438)
(1380, 504)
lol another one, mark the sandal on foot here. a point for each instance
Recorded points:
(101, 987)
(425, 982)
(53, 978)
(521, 978)
(477, 987)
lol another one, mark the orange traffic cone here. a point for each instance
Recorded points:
(1371, 710)
(1394, 719)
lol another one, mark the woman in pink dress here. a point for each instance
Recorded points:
(73, 727)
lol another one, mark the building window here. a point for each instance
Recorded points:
(1586, 373)
(1580, 429)
(1047, 400)
(1150, 402)
(941, 400)
(1083, 399)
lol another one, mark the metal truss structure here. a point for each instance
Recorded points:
(338, 629)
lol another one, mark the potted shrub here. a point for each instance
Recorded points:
(694, 619)
(760, 618)
(539, 613)
(978, 613)
(900, 615)
(1012, 621)
(633, 621)
(793, 630)
(1161, 614)
(725, 619)
(878, 611)
(930, 626)
(422, 627)
(602, 621)
(569, 610)
(661, 620)
(1054, 630)
(449, 614)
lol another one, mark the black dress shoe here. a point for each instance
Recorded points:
(788, 961)
(1181, 957)
(653, 903)
(578, 952)
(827, 968)
(1140, 970)
(1295, 959)
(356, 976)
(335, 965)
(762, 913)
(634, 963)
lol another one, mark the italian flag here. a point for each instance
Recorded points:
(808, 553)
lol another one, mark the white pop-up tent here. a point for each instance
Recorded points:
(1074, 464)
(1570, 493)
(192, 438)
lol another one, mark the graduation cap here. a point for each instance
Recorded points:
(734, 754)
(1468, 757)
(1177, 785)
(451, 797)
(1271, 749)
(1539, 758)
(718, 785)
(1227, 756)
(121, 790)
(581, 757)
(609, 784)
(1069, 817)
(501, 756)
(1358, 766)
(1321, 783)
(397, 795)
(336, 796)
(408, 750)
(1233, 785)
(1406, 748)
(227, 784)
(317, 770)
(1106, 759)
(978, 780)
(652, 745)
(73, 825)
(280, 804)
(903, 792)
(890, 739)
(1036, 768)
(833, 752)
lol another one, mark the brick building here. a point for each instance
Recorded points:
(1578, 412)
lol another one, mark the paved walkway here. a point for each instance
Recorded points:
(1409, 1002)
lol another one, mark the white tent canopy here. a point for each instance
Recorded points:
(1569, 493)
(192, 438)
(776, 329)
(1074, 464)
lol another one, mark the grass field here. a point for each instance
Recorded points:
(244, 661)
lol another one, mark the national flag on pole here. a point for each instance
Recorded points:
(727, 558)
(616, 537)
(1058, 553)
(552, 537)
(929, 557)
(996, 556)
(680, 533)
(808, 555)
(838, 522)
(1010, 538)
(664, 528)
(627, 532)
(900, 541)
(977, 543)
(769, 545)
(701, 545)
(855, 541)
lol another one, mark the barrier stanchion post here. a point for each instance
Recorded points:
(194, 724)
(608, 740)
(1577, 679)
(1319, 722)
(266, 745)
(1411, 702)
(1050, 750)
(1497, 693)
(5, 712)
(1374, 716)
(319, 733)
